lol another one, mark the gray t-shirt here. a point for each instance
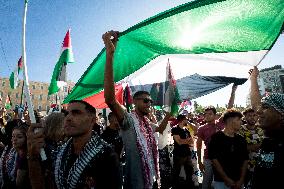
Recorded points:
(133, 172)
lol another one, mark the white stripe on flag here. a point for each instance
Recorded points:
(233, 64)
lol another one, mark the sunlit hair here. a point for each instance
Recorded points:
(88, 107)
(139, 93)
(53, 123)
(230, 113)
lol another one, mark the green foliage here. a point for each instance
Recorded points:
(200, 109)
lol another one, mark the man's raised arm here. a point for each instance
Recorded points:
(110, 39)
(232, 97)
(255, 96)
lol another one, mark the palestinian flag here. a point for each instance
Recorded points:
(171, 94)
(59, 76)
(14, 77)
(8, 103)
(207, 37)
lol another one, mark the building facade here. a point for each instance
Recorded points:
(38, 92)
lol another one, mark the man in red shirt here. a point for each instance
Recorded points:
(204, 133)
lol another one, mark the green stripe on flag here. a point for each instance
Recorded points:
(14, 79)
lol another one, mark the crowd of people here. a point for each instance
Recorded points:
(145, 148)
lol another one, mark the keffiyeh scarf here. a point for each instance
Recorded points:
(148, 150)
(91, 149)
(8, 161)
(275, 100)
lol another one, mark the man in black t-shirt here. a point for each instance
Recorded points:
(228, 152)
(182, 153)
(268, 172)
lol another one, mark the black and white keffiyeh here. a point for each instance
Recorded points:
(92, 148)
(275, 100)
(9, 158)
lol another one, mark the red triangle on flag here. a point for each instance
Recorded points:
(98, 100)
(67, 41)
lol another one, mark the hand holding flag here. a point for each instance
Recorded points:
(110, 39)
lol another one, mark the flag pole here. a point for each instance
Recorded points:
(21, 103)
(25, 69)
(26, 79)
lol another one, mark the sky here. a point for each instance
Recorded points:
(48, 21)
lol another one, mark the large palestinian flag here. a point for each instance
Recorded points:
(209, 35)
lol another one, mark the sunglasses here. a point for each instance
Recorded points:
(146, 100)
